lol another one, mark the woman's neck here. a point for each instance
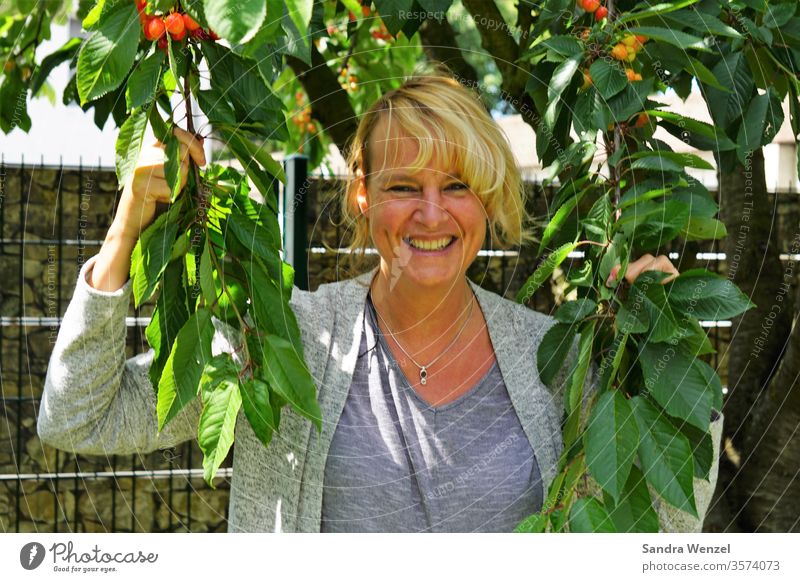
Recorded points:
(430, 314)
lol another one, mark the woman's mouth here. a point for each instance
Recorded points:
(430, 247)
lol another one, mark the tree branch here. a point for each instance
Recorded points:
(439, 43)
(497, 40)
(330, 104)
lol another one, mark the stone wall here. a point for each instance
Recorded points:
(52, 221)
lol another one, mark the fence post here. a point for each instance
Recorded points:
(295, 223)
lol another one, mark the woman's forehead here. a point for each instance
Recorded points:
(392, 152)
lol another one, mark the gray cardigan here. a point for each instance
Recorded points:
(96, 402)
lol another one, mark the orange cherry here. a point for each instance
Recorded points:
(154, 28)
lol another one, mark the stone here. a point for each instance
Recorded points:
(41, 506)
(43, 456)
(96, 504)
(31, 268)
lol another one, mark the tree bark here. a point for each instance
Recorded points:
(330, 104)
(757, 342)
(439, 43)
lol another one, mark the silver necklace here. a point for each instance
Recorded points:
(423, 370)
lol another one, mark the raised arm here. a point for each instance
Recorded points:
(95, 401)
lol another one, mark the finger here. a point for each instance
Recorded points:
(194, 143)
(184, 173)
(158, 191)
(638, 266)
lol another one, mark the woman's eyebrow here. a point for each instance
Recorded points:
(411, 177)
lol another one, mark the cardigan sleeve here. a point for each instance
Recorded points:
(94, 400)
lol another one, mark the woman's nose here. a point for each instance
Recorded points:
(431, 207)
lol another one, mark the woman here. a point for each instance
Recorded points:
(434, 418)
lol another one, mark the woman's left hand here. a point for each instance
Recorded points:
(646, 263)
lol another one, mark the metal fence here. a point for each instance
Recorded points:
(51, 220)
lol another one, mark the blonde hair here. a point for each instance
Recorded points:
(451, 125)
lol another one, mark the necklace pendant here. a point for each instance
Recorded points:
(423, 375)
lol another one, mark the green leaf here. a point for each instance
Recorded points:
(609, 79)
(588, 515)
(152, 253)
(143, 83)
(677, 384)
(257, 409)
(288, 375)
(703, 74)
(270, 308)
(544, 271)
(686, 128)
(558, 219)
(634, 513)
(561, 79)
(129, 144)
(656, 9)
(666, 458)
(680, 160)
(392, 13)
(179, 383)
(733, 72)
(158, 125)
(233, 20)
(172, 165)
(573, 311)
(561, 44)
(108, 54)
(573, 399)
(762, 122)
(703, 228)
(264, 242)
(536, 523)
(702, 449)
(553, 349)
(206, 277)
(51, 61)
(168, 318)
(704, 23)
(611, 441)
(648, 292)
(676, 38)
(651, 225)
(701, 294)
(221, 404)
(778, 14)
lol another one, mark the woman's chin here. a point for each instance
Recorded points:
(429, 276)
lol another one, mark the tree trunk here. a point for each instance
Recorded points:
(757, 342)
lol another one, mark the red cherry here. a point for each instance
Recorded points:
(180, 36)
(212, 35)
(154, 28)
(600, 13)
(163, 43)
(590, 5)
(190, 23)
(175, 24)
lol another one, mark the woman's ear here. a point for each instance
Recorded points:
(361, 192)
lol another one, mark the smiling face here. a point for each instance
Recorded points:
(426, 222)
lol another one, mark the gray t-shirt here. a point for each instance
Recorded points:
(397, 464)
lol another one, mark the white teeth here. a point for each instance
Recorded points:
(429, 245)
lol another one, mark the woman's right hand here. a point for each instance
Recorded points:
(137, 208)
(148, 185)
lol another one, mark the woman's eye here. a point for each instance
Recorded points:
(401, 189)
(458, 186)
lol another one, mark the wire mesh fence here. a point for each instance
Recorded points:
(52, 219)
